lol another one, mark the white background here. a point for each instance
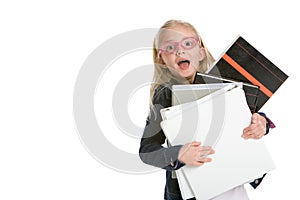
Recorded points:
(42, 48)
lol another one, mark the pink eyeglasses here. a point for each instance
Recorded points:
(172, 46)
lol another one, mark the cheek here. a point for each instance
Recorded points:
(196, 53)
(168, 59)
(195, 56)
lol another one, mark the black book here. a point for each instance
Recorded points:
(242, 62)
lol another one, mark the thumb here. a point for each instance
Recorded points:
(254, 118)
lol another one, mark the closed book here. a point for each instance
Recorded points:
(244, 63)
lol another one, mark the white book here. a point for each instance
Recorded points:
(187, 93)
(192, 92)
(217, 120)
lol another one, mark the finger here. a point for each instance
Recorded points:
(248, 128)
(252, 129)
(195, 144)
(205, 160)
(258, 137)
(260, 134)
(258, 128)
(205, 148)
(206, 153)
(252, 126)
(211, 151)
(201, 161)
(254, 134)
(198, 164)
(247, 132)
(246, 136)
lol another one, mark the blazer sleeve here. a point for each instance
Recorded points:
(152, 149)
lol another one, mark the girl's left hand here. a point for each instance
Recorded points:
(256, 129)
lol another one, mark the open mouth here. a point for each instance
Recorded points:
(184, 64)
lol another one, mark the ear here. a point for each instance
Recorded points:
(201, 53)
(160, 60)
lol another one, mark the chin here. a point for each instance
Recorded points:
(188, 74)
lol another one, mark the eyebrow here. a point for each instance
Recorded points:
(167, 41)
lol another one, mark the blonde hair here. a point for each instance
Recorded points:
(161, 74)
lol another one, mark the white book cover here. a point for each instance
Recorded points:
(218, 121)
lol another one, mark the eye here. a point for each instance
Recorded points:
(189, 43)
(170, 47)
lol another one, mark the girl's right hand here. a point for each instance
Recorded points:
(194, 154)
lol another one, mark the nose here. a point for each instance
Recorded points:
(179, 52)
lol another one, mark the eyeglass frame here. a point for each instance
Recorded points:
(177, 44)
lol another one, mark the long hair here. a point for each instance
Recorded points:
(161, 74)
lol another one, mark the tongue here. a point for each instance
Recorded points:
(184, 65)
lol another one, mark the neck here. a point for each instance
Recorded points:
(191, 79)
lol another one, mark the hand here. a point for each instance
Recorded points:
(194, 154)
(256, 129)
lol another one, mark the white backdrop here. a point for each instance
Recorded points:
(42, 48)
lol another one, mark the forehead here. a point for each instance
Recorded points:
(176, 33)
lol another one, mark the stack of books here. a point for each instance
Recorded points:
(215, 111)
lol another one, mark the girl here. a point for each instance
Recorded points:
(178, 53)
